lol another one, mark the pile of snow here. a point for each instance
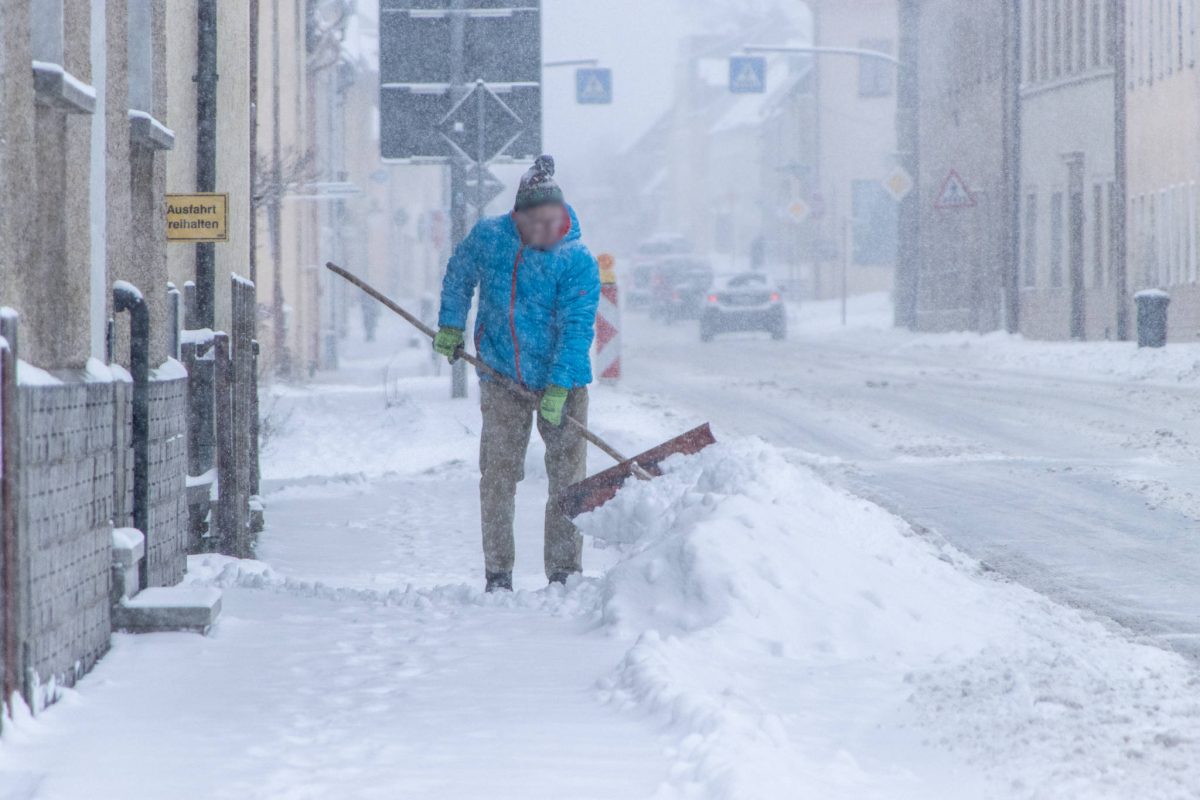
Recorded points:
(790, 634)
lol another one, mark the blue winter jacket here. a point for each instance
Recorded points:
(537, 308)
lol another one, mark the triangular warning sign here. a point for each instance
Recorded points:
(954, 193)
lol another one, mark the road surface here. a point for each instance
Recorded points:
(1081, 487)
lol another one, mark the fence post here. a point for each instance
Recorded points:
(10, 659)
(226, 517)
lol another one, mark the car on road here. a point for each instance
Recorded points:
(678, 287)
(749, 301)
(645, 261)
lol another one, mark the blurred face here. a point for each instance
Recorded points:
(541, 227)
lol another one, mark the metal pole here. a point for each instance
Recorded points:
(846, 244)
(1116, 43)
(206, 149)
(1012, 167)
(908, 255)
(253, 140)
(283, 365)
(458, 172)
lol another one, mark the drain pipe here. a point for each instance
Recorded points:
(127, 297)
(206, 152)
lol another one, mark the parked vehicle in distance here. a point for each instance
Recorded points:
(678, 286)
(639, 289)
(748, 301)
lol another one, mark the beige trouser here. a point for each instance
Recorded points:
(507, 423)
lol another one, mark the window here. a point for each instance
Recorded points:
(1031, 239)
(875, 75)
(53, 85)
(1056, 239)
(1068, 37)
(1098, 248)
(1151, 40)
(875, 224)
(1191, 33)
(1044, 39)
(141, 56)
(1115, 222)
(1097, 39)
(1031, 40)
(1056, 44)
(1190, 225)
(144, 129)
(1179, 34)
(1083, 28)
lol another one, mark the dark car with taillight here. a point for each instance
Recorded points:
(678, 286)
(750, 301)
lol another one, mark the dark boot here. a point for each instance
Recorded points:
(497, 581)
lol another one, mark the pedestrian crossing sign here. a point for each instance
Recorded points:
(954, 193)
(593, 86)
(747, 75)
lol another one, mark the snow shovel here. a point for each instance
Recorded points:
(589, 493)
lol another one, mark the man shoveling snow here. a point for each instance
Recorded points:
(539, 287)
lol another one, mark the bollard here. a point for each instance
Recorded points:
(608, 323)
(1152, 317)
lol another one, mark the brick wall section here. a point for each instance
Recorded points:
(166, 545)
(66, 493)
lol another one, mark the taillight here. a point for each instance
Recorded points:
(775, 297)
(712, 298)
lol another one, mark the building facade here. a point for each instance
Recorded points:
(1162, 90)
(1070, 202)
(856, 147)
(966, 123)
(88, 447)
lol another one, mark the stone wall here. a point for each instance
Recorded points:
(76, 483)
(64, 526)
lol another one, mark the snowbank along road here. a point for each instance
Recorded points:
(1070, 467)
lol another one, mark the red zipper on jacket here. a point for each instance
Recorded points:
(512, 313)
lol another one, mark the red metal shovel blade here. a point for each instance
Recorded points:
(591, 493)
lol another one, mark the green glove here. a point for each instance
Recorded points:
(553, 400)
(447, 342)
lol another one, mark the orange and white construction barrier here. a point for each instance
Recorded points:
(607, 361)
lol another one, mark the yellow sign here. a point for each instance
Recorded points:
(608, 273)
(198, 217)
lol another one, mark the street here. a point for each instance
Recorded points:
(1074, 481)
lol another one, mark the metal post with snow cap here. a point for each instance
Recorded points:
(608, 323)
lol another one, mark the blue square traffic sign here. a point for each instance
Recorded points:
(747, 74)
(593, 86)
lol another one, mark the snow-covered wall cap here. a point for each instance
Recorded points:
(196, 336)
(126, 286)
(169, 370)
(127, 538)
(8, 312)
(29, 375)
(1151, 293)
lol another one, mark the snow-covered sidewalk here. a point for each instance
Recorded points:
(747, 632)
